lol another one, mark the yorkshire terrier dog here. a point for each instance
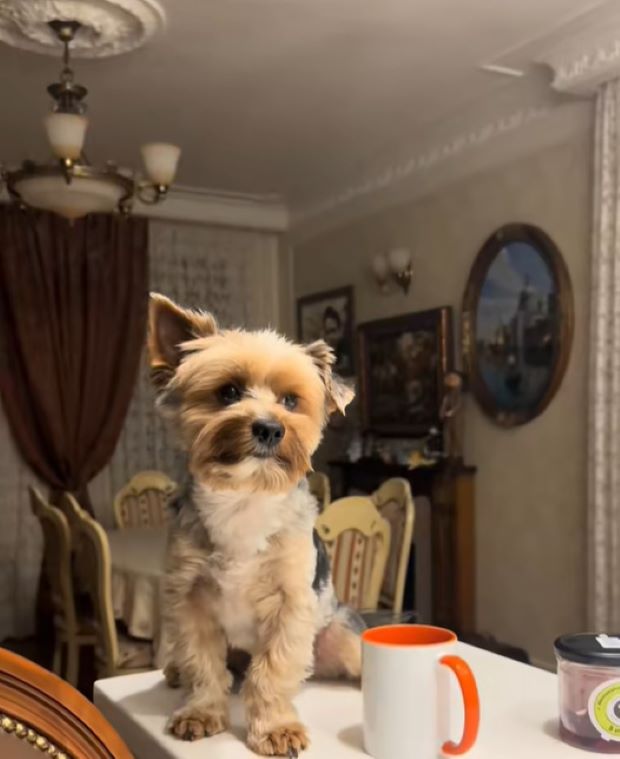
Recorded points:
(246, 573)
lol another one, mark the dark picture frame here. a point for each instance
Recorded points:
(402, 364)
(517, 335)
(329, 316)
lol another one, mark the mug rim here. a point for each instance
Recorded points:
(411, 636)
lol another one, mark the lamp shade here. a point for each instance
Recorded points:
(84, 195)
(66, 133)
(399, 259)
(160, 161)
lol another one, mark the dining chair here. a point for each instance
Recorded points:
(319, 486)
(143, 500)
(115, 652)
(42, 715)
(357, 539)
(70, 631)
(394, 501)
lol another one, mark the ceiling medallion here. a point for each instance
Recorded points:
(71, 187)
(107, 27)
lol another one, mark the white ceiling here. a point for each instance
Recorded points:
(291, 97)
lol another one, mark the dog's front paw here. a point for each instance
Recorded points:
(192, 724)
(287, 740)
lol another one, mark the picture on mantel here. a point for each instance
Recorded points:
(403, 362)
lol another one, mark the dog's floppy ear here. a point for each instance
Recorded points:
(169, 327)
(338, 393)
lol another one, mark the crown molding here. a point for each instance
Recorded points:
(586, 51)
(262, 212)
(582, 51)
(483, 146)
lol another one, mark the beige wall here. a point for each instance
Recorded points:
(531, 486)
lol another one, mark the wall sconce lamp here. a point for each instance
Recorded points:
(395, 266)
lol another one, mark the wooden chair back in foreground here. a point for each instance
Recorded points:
(143, 500)
(395, 503)
(42, 715)
(358, 542)
(115, 654)
(69, 631)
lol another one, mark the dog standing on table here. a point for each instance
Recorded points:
(245, 570)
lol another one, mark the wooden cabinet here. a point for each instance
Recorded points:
(451, 491)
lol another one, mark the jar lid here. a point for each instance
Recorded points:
(590, 648)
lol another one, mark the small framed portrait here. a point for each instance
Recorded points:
(329, 316)
(517, 324)
(403, 363)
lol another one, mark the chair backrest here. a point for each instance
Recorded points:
(97, 583)
(56, 559)
(395, 503)
(142, 501)
(318, 484)
(49, 717)
(80, 564)
(358, 542)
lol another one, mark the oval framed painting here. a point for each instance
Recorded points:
(517, 324)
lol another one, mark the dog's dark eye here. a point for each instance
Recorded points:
(289, 401)
(229, 394)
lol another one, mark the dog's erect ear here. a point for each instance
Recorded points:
(338, 393)
(169, 327)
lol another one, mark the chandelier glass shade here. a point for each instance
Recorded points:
(70, 186)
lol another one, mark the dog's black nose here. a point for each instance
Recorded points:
(268, 432)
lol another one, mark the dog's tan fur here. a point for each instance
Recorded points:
(242, 559)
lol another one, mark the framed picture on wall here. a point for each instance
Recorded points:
(329, 316)
(517, 324)
(403, 362)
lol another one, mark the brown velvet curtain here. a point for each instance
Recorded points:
(73, 302)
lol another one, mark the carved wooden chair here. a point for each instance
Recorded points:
(357, 538)
(319, 486)
(395, 503)
(142, 501)
(70, 632)
(42, 715)
(115, 653)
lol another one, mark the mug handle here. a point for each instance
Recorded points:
(471, 703)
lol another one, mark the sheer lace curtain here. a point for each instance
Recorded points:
(604, 399)
(232, 272)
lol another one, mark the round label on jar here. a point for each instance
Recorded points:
(604, 710)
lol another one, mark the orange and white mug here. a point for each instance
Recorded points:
(405, 707)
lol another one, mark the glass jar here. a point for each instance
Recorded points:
(589, 682)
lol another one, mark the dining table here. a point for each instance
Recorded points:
(518, 715)
(138, 560)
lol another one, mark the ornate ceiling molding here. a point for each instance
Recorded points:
(585, 51)
(481, 147)
(581, 74)
(109, 27)
(431, 158)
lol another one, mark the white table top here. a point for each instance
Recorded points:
(519, 714)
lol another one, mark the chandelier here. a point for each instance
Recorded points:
(71, 186)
